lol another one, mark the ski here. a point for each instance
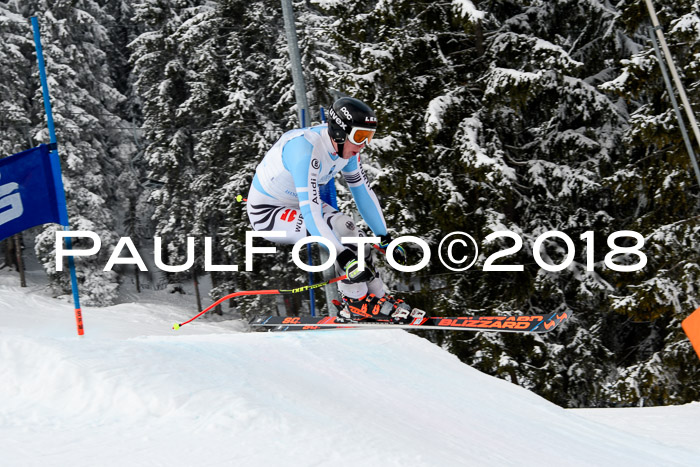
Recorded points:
(520, 324)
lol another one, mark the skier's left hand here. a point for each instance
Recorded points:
(399, 254)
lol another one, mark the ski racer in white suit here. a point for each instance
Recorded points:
(284, 196)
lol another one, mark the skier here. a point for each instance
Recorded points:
(284, 196)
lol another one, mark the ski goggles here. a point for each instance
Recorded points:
(360, 135)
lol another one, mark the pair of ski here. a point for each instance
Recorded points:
(526, 324)
(520, 324)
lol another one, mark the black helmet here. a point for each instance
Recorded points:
(352, 119)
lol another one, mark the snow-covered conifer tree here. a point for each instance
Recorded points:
(656, 193)
(86, 106)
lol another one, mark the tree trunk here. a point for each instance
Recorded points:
(196, 290)
(20, 261)
(479, 37)
(136, 279)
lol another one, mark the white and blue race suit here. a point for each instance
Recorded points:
(284, 195)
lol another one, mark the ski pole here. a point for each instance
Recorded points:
(304, 288)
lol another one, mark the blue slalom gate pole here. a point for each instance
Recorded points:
(54, 150)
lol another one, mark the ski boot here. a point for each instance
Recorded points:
(372, 308)
(404, 314)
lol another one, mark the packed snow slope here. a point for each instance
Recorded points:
(133, 392)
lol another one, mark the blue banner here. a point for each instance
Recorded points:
(31, 191)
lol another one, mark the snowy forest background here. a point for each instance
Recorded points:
(526, 116)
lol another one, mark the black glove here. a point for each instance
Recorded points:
(399, 253)
(347, 260)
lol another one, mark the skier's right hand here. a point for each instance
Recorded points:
(348, 261)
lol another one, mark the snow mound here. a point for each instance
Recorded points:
(134, 392)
